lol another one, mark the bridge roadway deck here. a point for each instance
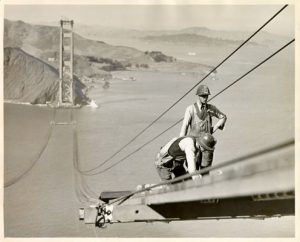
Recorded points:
(210, 197)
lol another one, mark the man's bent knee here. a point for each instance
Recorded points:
(164, 173)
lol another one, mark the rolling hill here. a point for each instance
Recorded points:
(94, 61)
(202, 33)
(38, 40)
(191, 38)
(30, 80)
(43, 42)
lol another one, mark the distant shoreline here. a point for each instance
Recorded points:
(23, 103)
(91, 104)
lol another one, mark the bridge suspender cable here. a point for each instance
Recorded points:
(162, 114)
(255, 67)
(83, 192)
(38, 156)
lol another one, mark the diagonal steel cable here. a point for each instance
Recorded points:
(241, 77)
(192, 88)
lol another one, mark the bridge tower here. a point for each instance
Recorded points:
(66, 82)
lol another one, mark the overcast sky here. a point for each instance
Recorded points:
(157, 17)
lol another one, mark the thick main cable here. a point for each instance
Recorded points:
(208, 169)
(168, 109)
(255, 67)
(252, 69)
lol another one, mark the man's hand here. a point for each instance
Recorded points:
(219, 124)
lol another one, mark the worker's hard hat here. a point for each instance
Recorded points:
(203, 90)
(207, 141)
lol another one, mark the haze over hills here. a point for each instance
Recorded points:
(191, 38)
(194, 44)
(43, 42)
(128, 46)
(94, 60)
(192, 49)
(264, 37)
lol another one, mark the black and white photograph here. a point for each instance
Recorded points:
(149, 119)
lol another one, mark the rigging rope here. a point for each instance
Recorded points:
(169, 108)
(255, 67)
(83, 193)
(208, 169)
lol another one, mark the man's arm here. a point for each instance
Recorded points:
(220, 124)
(186, 122)
(187, 145)
(221, 116)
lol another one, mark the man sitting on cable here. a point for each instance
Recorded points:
(184, 155)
